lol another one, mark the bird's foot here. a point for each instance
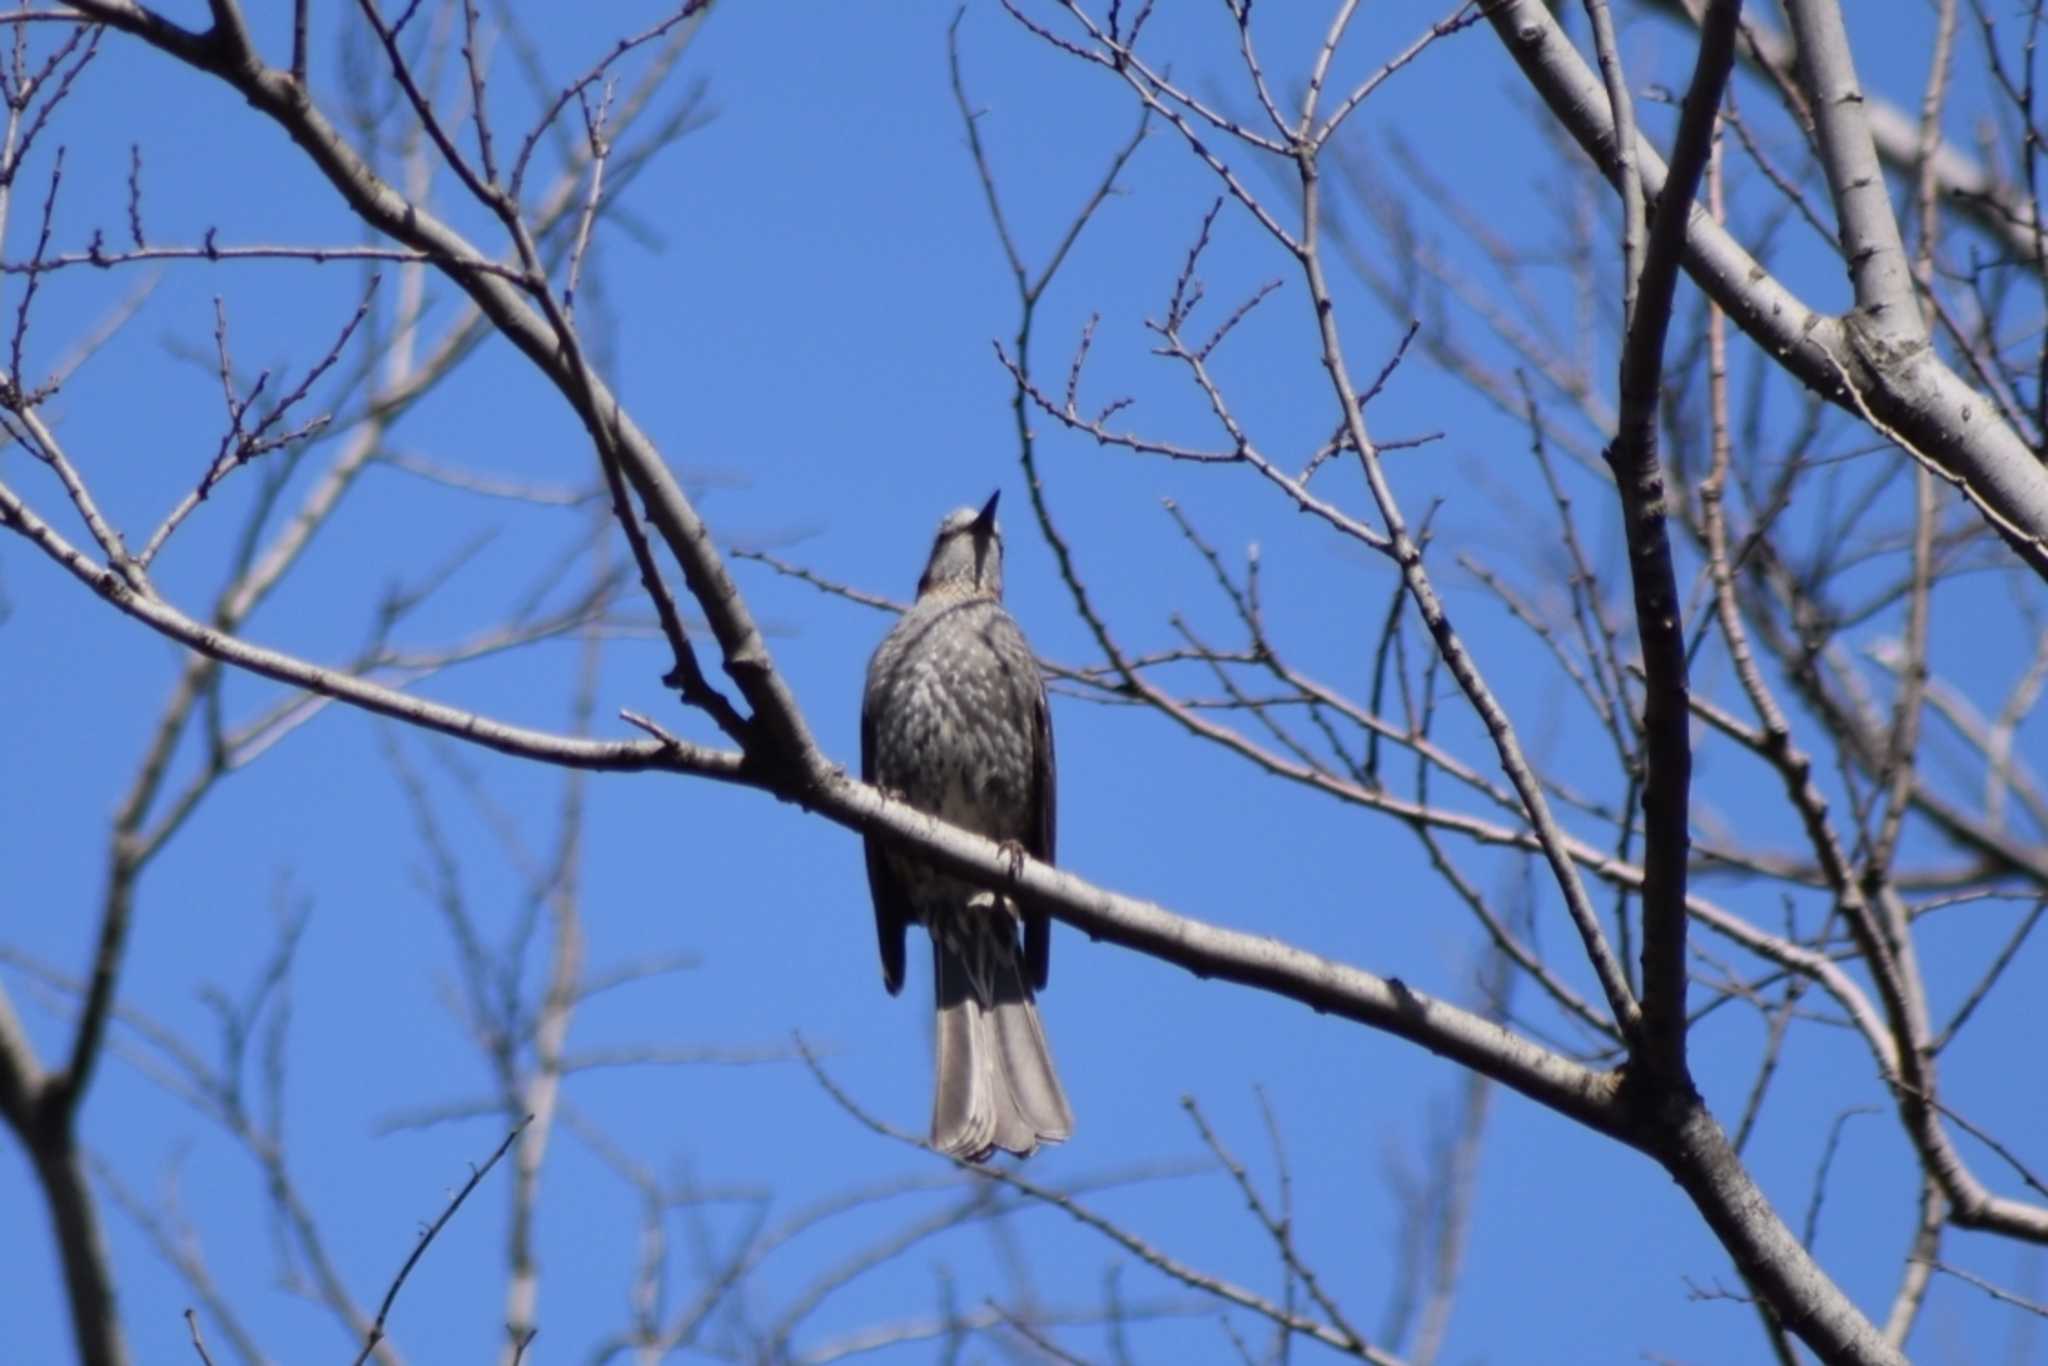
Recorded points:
(1014, 854)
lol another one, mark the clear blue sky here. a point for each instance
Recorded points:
(805, 304)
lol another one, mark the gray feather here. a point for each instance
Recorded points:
(996, 1085)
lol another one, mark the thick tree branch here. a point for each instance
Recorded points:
(1206, 950)
(1871, 245)
(1994, 206)
(1918, 397)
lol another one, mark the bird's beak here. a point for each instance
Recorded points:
(985, 522)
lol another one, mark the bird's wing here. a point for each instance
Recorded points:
(1039, 840)
(892, 914)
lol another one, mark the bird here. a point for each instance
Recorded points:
(954, 721)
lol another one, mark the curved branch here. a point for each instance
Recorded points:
(519, 741)
(545, 341)
(1922, 402)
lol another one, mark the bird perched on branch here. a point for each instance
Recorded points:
(954, 721)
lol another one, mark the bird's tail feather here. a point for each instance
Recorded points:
(996, 1084)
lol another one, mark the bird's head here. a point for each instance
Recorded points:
(967, 554)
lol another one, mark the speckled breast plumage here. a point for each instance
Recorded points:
(954, 690)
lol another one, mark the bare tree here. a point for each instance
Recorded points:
(1790, 794)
